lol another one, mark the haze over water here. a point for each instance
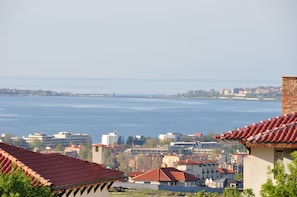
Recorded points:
(129, 116)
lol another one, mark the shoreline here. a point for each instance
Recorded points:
(6, 92)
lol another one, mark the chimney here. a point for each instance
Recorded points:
(289, 94)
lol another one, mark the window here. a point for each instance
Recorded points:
(279, 156)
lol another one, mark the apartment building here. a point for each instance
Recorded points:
(170, 136)
(66, 138)
(110, 139)
(201, 169)
(62, 138)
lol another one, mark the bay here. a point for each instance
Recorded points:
(21, 116)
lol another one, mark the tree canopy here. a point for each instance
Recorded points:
(17, 184)
(280, 183)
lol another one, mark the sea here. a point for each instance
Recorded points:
(129, 116)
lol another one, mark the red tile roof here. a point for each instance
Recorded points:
(165, 175)
(55, 170)
(225, 171)
(279, 131)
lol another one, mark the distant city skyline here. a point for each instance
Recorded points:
(125, 86)
(146, 46)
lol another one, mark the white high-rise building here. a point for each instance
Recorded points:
(110, 139)
(170, 136)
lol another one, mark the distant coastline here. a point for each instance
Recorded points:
(259, 93)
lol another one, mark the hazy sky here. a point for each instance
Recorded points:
(159, 45)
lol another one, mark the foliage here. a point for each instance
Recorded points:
(230, 192)
(284, 184)
(86, 153)
(17, 184)
(110, 156)
(203, 193)
(152, 143)
(135, 141)
(37, 145)
(130, 141)
(165, 142)
(7, 138)
(59, 147)
(123, 159)
(238, 177)
(208, 137)
(234, 147)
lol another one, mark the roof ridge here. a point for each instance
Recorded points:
(24, 167)
(165, 173)
(176, 174)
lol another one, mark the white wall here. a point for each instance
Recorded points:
(198, 170)
(256, 168)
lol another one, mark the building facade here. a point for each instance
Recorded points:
(63, 138)
(110, 139)
(202, 169)
(170, 136)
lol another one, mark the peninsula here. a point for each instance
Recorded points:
(255, 93)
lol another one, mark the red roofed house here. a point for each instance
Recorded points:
(269, 140)
(166, 176)
(65, 175)
(131, 175)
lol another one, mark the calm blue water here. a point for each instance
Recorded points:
(128, 116)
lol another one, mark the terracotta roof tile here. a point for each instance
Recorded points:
(278, 130)
(165, 175)
(56, 170)
(225, 171)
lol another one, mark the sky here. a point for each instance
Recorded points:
(146, 46)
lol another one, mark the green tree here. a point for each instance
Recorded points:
(123, 159)
(130, 141)
(165, 142)
(233, 192)
(284, 184)
(86, 152)
(6, 138)
(59, 147)
(37, 145)
(238, 177)
(203, 193)
(17, 184)
(151, 142)
(229, 192)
